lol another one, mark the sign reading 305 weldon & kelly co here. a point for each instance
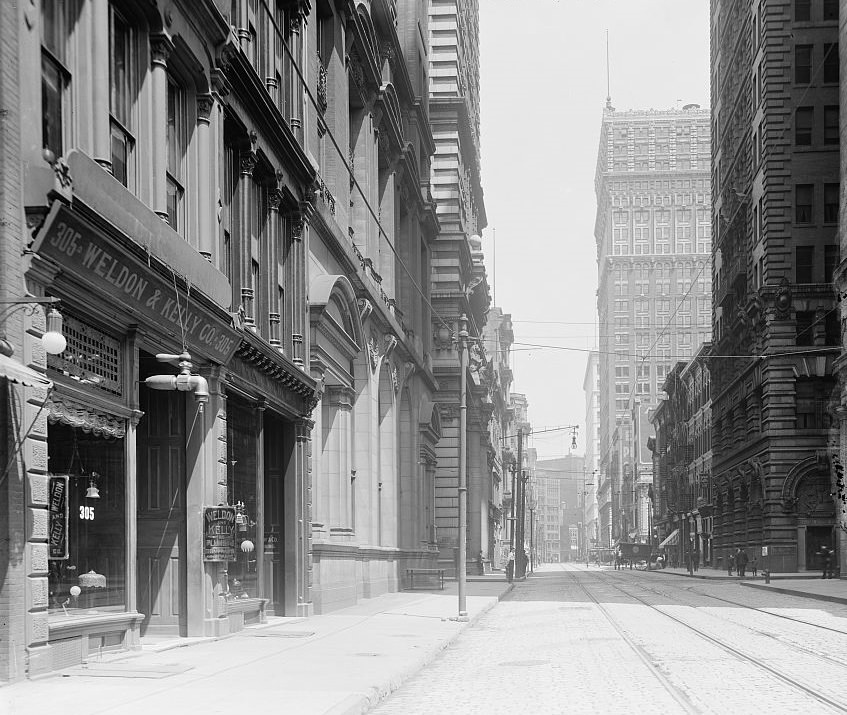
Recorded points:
(86, 252)
(219, 533)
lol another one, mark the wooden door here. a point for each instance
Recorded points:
(161, 512)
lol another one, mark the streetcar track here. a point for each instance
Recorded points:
(831, 702)
(752, 629)
(677, 693)
(770, 613)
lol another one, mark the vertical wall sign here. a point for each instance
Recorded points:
(58, 522)
(219, 533)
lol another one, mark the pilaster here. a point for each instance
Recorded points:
(161, 47)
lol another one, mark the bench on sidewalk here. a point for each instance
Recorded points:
(428, 574)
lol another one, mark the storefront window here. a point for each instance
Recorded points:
(87, 532)
(242, 476)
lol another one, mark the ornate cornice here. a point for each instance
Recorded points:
(277, 366)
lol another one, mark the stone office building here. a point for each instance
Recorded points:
(459, 282)
(370, 258)
(244, 419)
(775, 209)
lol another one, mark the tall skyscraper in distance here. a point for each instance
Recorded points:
(653, 234)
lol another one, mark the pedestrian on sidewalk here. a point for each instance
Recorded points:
(826, 562)
(510, 566)
(754, 566)
(730, 564)
(741, 562)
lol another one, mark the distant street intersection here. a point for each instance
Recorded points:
(574, 639)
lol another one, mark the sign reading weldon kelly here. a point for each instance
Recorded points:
(90, 255)
(57, 530)
(219, 533)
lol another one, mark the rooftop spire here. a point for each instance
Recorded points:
(608, 81)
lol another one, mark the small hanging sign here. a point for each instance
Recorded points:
(57, 538)
(219, 533)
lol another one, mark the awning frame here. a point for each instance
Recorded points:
(671, 540)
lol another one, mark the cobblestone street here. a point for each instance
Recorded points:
(574, 640)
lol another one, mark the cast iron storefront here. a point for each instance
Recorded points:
(134, 473)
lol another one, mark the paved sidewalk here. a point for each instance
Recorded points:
(792, 583)
(335, 664)
(712, 574)
(820, 589)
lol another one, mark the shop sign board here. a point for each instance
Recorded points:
(271, 542)
(219, 533)
(89, 254)
(57, 536)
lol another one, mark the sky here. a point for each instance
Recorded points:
(542, 93)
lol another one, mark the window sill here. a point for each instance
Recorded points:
(62, 626)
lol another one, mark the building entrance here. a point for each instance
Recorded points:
(817, 536)
(161, 512)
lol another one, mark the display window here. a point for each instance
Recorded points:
(242, 479)
(87, 522)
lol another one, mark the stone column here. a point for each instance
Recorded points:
(296, 272)
(243, 237)
(259, 414)
(297, 99)
(100, 84)
(205, 486)
(299, 488)
(273, 237)
(160, 49)
(206, 234)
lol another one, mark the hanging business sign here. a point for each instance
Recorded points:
(87, 253)
(219, 533)
(57, 504)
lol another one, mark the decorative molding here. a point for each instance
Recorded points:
(67, 411)
(373, 352)
(390, 344)
(248, 163)
(205, 102)
(365, 308)
(782, 300)
(161, 47)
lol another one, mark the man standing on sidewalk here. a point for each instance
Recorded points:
(826, 562)
(741, 562)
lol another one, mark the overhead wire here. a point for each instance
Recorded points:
(741, 204)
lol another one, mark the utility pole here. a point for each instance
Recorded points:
(463, 467)
(512, 515)
(531, 538)
(520, 554)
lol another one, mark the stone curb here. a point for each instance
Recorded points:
(795, 592)
(687, 575)
(360, 703)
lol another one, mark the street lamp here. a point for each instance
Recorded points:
(52, 339)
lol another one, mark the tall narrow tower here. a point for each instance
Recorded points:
(653, 233)
(459, 282)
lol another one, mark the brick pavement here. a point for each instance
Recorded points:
(548, 648)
